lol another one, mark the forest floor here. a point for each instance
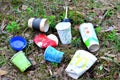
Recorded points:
(103, 14)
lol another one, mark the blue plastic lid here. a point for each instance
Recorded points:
(66, 20)
(18, 43)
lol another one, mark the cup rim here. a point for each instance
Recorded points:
(63, 26)
(30, 21)
(53, 37)
(16, 55)
(44, 25)
(46, 49)
(96, 48)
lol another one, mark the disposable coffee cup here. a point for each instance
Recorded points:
(53, 55)
(89, 36)
(64, 32)
(53, 37)
(20, 61)
(80, 63)
(40, 24)
(43, 41)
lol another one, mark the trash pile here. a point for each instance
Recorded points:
(81, 61)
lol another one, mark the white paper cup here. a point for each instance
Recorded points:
(89, 36)
(80, 63)
(53, 37)
(64, 32)
(40, 24)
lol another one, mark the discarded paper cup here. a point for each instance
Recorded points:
(53, 37)
(20, 61)
(53, 55)
(64, 32)
(80, 63)
(44, 41)
(89, 36)
(38, 24)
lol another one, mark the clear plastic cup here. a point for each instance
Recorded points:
(64, 32)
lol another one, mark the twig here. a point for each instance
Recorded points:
(109, 59)
(25, 30)
(3, 25)
(100, 21)
(50, 72)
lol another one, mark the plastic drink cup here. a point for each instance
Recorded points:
(80, 63)
(53, 55)
(20, 61)
(89, 36)
(40, 24)
(64, 32)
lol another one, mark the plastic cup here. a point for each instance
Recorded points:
(89, 36)
(80, 63)
(20, 61)
(53, 55)
(40, 24)
(64, 32)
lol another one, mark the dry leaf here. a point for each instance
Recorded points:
(111, 28)
(117, 58)
(3, 25)
(3, 72)
(110, 55)
(106, 58)
(118, 16)
(76, 27)
(116, 75)
(100, 76)
(24, 7)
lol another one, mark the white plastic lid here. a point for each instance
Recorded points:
(63, 25)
